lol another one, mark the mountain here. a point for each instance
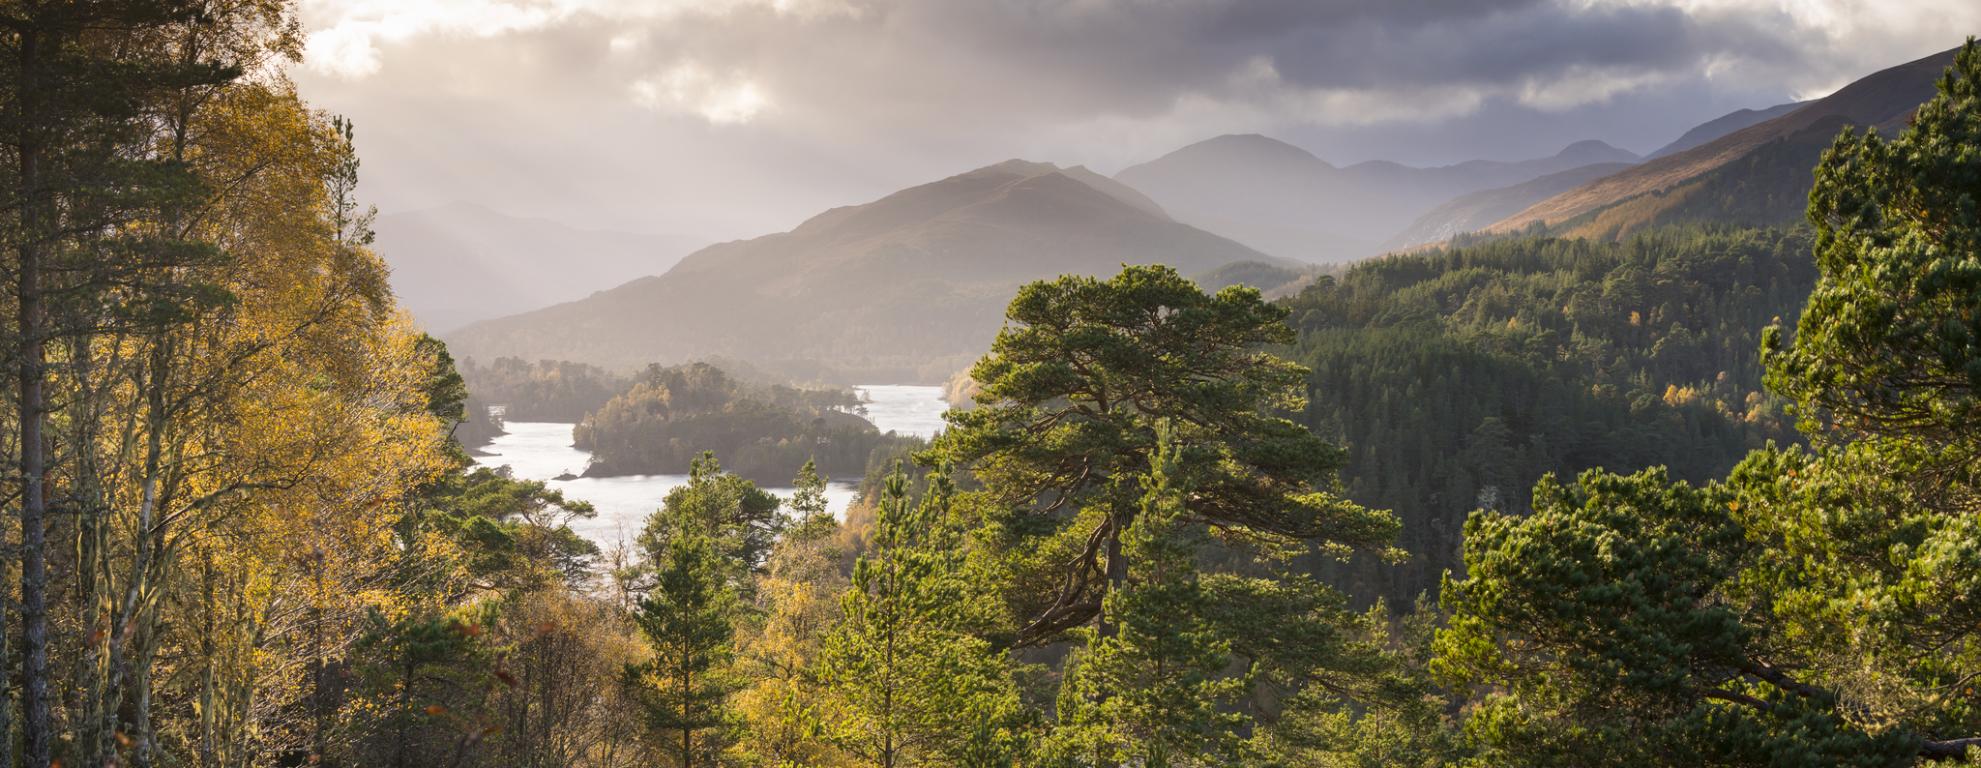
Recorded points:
(1750, 176)
(460, 263)
(1479, 210)
(1282, 200)
(1476, 211)
(910, 287)
(1723, 125)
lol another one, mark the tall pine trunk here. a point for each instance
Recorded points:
(31, 373)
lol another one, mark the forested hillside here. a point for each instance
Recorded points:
(1457, 377)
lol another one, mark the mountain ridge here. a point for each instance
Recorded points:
(1286, 201)
(1883, 100)
(1471, 212)
(909, 286)
(1723, 125)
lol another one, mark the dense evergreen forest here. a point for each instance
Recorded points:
(1456, 378)
(240, 531)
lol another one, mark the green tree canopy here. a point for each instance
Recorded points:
(1065, 431)
(1891, 339)
(688, 620)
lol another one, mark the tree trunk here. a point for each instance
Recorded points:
(37, 727)
(319, 711)
(687, 731)
(1117, 574)
(6, 667)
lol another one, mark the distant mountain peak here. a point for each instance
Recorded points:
(1589, 151)
(1248, 145)
(1253, 139)
(1029, 170)
(1018, 166)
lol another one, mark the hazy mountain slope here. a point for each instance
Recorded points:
(1884, 100)
(1476, 211)
(460, 263)
(1283, 200)
(908, 287)
(1723, 125)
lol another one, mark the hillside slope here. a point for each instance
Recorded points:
(1283, 200)
(910, 287)
(1478, 210)
(460, 263)
(1723, 125)
(1884, 100)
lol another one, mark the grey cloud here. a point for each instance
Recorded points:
(1005, 63)
(908, 90)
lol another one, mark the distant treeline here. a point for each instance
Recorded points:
(547, 390)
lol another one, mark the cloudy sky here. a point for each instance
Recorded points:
(732, 118)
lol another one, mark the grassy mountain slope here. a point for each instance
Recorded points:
(1766, 187)
(910, 287)
(1884, 100)
(1268, 277)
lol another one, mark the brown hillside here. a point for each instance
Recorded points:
(1884, 100)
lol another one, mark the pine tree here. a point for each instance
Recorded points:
(921, 691)
(740, 518)
(1065, 442)
(1065, 429)
(687, 619)
(810, 510)
(1157, 693)
(1890, 342)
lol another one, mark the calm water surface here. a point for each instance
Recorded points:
(543, 451)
